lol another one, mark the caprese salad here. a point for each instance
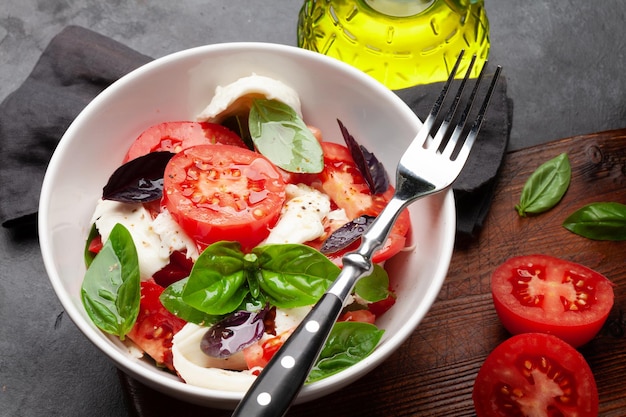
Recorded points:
(214, 238)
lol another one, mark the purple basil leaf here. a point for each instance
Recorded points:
(346, 234)
(233, 333)
(370, 167)
(139, 180)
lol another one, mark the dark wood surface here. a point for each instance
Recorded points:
(432, 374)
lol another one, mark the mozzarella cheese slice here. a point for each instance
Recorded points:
(236, 98)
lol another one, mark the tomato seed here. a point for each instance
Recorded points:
(158, 332)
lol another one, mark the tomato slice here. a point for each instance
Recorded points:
(363, 316)
(222, 192)
(96, 244)
(379, 308)
(179, 135)
(346, 187)
(259, 354)
(540, 293)
(155, 326)
(535, 374)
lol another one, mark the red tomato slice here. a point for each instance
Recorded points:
(535, 374)
(222, 192)
(379, 308)
(96, 244)
(155, 326)
(347, 188)
(539, 293)
(176, 136)
(259, 354)
(363, 316)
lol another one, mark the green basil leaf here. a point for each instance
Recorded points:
(172, 300)
(599, 221)
(111, 289)
(348, 343)
(282, 137)
(216, 282)
(546, 186)
(374, 287)
(293, 275)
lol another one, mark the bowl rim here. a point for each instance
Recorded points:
(198, 394)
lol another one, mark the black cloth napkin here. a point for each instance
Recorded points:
(79, 63)
(75, 67)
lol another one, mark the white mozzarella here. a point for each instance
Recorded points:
(173, 237)
(229, 374)
(236, 98)
(302, 215)
(154, 239)
(197, 368)
(138, 221)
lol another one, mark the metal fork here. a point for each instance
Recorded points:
(428, 166)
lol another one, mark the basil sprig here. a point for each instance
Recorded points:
(172, 300)
(599, 221)
(546, 186)
(287, 276)
(282, 137)
(348, 343)
(111, 288)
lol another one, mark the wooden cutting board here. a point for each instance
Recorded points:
(432, 374)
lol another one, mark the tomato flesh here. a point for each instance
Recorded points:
(532, 375)
(179, 135)
(347, 188)
(539, 293)
(259, 354)
(379, 308)
(222, 192)
(363, 316)
(155, 327)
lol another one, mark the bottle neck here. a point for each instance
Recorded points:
(399, 8)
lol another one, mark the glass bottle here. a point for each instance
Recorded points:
(401, 43)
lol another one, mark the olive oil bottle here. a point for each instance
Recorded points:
(401, 43)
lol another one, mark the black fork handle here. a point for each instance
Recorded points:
(273, 391)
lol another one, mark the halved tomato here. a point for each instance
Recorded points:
(535, 374)
(222, 192)
(179, 135)
(346, 187)
(540, 293)
(155, 326)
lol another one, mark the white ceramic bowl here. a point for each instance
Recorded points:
(178, 87)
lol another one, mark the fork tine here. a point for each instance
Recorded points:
(443, 128)
(458, 130)
(471, 136)
(424, 132)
